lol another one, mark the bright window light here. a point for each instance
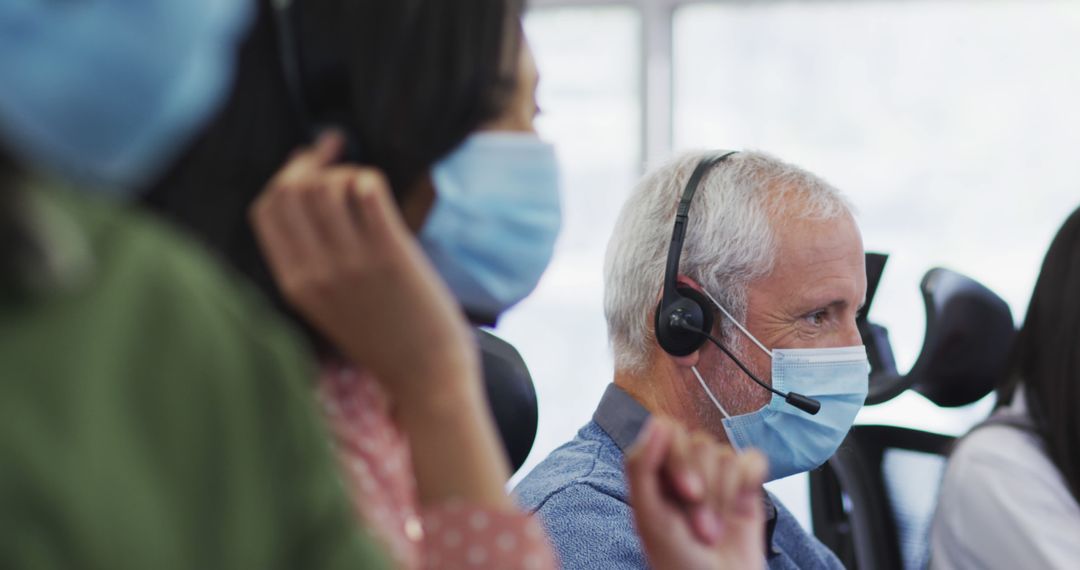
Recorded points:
(591, 109)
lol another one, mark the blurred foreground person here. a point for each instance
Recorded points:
(153, 414)
(1011, 493)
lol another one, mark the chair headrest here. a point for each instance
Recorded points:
(511, 395)
(969, 330)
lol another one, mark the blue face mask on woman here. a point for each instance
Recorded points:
(492, 229)
(793, 440)
(105, 92)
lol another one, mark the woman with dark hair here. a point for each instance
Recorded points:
(1011, 494)
(401, 84)
(432, 199)
(407, 81)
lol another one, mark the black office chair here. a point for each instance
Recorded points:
(873, 501)
(511, 395)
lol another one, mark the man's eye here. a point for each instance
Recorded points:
(817, 318)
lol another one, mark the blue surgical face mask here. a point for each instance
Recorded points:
(793, 440)
(105, 92)
(492, 229)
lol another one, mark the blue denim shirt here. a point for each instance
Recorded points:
(580, 494)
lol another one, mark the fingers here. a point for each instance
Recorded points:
(643, 466)
(681, 472)
(285, 235)
(735, 494)
(710, 463)
(329, 207)
(684, 470)
(378, 214)
(727, 480)
(752, 467)
(307, 161)
(710, 482)
(317, 222)
(728, 514)
(281, 232)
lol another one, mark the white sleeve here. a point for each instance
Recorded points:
(1003, 504)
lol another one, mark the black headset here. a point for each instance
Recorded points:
(289, 55)
(684, 317)
(683, 307)
(316, 76)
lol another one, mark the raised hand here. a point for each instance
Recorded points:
(697, 504)
(343, 257)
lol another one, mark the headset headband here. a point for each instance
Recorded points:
(682, 216)
(290, 59)
(305, 77)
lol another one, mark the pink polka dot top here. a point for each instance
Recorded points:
(378, 471)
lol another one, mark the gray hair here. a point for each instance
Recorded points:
(729, 241)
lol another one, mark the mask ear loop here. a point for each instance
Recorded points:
(737, 323)
(715, 402)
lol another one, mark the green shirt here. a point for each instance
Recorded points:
(155, 415)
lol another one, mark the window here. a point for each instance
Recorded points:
(591, 109)
(951, 125)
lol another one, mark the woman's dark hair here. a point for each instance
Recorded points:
(1045, 359)
(408, 80)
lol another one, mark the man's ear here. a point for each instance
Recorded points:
(685, 361)
(683, 281)
(688, 282)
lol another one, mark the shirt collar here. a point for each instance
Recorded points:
(622, 417)
(770, 525)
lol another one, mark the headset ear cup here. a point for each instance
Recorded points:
(703, 302)
(696, 309)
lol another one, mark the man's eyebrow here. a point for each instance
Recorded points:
(835, 303)
(840, 304)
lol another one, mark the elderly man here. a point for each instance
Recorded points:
(771, 359)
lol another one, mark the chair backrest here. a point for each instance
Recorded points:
(872, 503)
(511, 395)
